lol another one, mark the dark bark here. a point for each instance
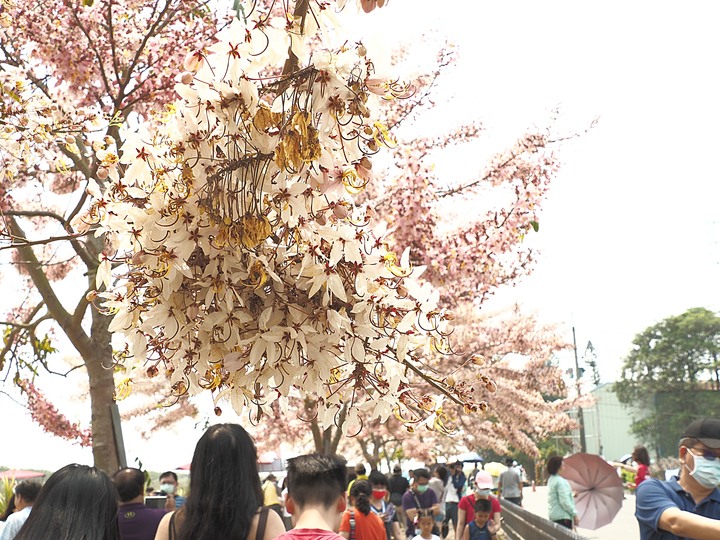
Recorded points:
(95, 349)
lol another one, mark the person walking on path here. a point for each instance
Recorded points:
(398, 485)
(561, 505)
(483, 486)
(418, 498)
(271, 494)
(642, 469)
(687, 506)
(359, 521)
(453, 494)
(382, 507)
(482, 527)
(510, 484)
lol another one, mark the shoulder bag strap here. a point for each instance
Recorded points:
(352, 525)
(262, 523)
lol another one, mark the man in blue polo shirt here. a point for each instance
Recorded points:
(686, 507)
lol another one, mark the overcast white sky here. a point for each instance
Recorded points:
(630, 232)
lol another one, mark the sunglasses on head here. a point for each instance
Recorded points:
(710, 455)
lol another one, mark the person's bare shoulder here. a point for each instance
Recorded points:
(162, 530)
(275, 526)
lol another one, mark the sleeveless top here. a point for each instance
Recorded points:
(259, 533)
(476, 533)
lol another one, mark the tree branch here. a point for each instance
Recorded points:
(73, 238)
(75, 333)
(24, 242)
(98, 56)
(339, 432)
(16, 329)
(80, 310)
(431, 382)
(27, 326)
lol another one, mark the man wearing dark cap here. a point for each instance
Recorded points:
(687, 506)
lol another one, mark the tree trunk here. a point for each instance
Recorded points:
(95, 349)
(102, 389)
(327, 440)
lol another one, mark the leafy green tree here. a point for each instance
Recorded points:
(672, 373)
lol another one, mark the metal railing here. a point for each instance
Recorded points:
(519, 524)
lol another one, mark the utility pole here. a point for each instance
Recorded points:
(581, 422)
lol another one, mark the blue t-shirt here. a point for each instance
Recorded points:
(653, 497)
(478, 533)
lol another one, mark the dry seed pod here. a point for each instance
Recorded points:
(478, 359)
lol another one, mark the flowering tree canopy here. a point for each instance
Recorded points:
(468, 257)
(71, 73)
(245, 268)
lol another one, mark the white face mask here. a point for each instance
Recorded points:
(167, 488)
(483, 492)
(706, 472)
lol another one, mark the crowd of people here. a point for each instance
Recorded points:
(227, 499)
(320, 500)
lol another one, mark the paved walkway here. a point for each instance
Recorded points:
(623, 527)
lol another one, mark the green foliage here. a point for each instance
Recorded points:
(591, 361)
(6, 491)
(25, 348)
(672, 372)
(557, 445)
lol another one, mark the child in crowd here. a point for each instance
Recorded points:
(481, 527)
(358, 521)
(425, 524)
(316, 497)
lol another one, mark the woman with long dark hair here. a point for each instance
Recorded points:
(76, 503)
(358, 521)
(226, 498)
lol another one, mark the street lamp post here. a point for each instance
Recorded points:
(581, 422)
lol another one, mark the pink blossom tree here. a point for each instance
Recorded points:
(466, 260)
(73, 74)
(280, 289)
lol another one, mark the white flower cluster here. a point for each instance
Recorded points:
(246, 269)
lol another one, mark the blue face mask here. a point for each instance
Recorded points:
(706, 472)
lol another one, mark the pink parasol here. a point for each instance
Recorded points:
(18, 474)
(598, 489)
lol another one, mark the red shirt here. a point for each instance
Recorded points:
(309, 534)
(369, 527)
(467, 503)
(641, 475)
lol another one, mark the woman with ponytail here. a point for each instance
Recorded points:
(358, 522)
